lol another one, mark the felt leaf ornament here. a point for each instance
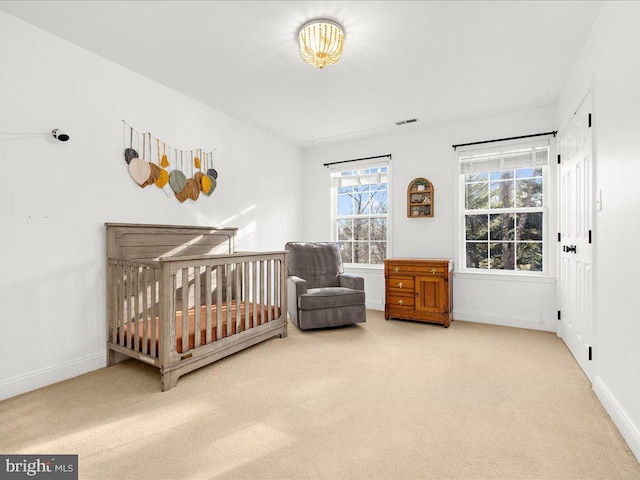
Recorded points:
(153, 174)
(182, 196)
(193, 189)
(129, 154)
(165, 161)
(207, 184)
(139, 171)
(196, 161)
(163, 178)
(177, 181)
(212, 173)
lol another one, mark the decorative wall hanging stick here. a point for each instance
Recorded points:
(165, 161)
(130, 153)
(154, 169)
(139, 169)
(212, 171)
(197, 161)
(162, 176)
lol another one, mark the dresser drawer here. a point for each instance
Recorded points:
(398, 282)
(396, 300)
(428, 269)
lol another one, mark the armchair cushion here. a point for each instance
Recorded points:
(330, 297)
(319, 263)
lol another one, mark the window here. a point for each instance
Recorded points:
(504, 207)
(360, 212)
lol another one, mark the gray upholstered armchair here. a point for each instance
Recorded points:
(320, 294)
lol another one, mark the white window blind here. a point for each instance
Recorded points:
(505, 157)
(359, 173)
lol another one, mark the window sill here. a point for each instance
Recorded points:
(364, 267)
(506, 277)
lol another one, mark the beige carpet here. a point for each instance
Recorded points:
(381, 400)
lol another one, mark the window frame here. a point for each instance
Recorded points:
(335, 217)
(548, 199)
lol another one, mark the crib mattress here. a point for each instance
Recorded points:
(261, 316)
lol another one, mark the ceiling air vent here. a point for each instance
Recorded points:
(404, 122)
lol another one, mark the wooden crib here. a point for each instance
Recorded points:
(181, 297)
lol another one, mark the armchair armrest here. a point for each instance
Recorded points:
(353, 282)
(297, 286)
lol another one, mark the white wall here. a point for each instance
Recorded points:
(608, 64)
(56, 197)
(426, 152)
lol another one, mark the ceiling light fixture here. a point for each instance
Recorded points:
(320, 42)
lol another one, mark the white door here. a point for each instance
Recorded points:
(576, 235)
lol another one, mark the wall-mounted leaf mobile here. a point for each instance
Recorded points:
(181, 170)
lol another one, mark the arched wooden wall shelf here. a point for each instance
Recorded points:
(420, 198)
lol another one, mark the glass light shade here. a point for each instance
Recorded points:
(320, 42)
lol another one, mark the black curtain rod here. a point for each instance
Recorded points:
(505, 139)
(358, 159)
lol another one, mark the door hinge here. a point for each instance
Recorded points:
(559, 159)
(590, 353)
(589, 236)
(559, 236)
(589, 120)
(559, 315)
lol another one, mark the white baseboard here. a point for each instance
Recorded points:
(47, 376)
(371, 305)
(530, 323)
(626, 427)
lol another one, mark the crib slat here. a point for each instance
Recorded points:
(207, 303)
(124, 339)
(196, 306)
(136, 315)
(245, 297)
(229, 298)
(269, 291)
(238, 293)
(218, 302)
(255, 293)
(145, 311)
(185, 310)
(119, 303)
(276, 281)
(153, 327)
(171, 313)
(262, 294)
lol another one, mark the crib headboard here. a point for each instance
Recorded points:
(130, 241)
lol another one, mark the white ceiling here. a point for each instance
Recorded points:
(435, 61)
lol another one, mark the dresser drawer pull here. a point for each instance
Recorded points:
(400, 302)
(396, 270)
(400, 285)
(433, 270)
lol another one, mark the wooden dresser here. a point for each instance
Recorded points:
(417, 289)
